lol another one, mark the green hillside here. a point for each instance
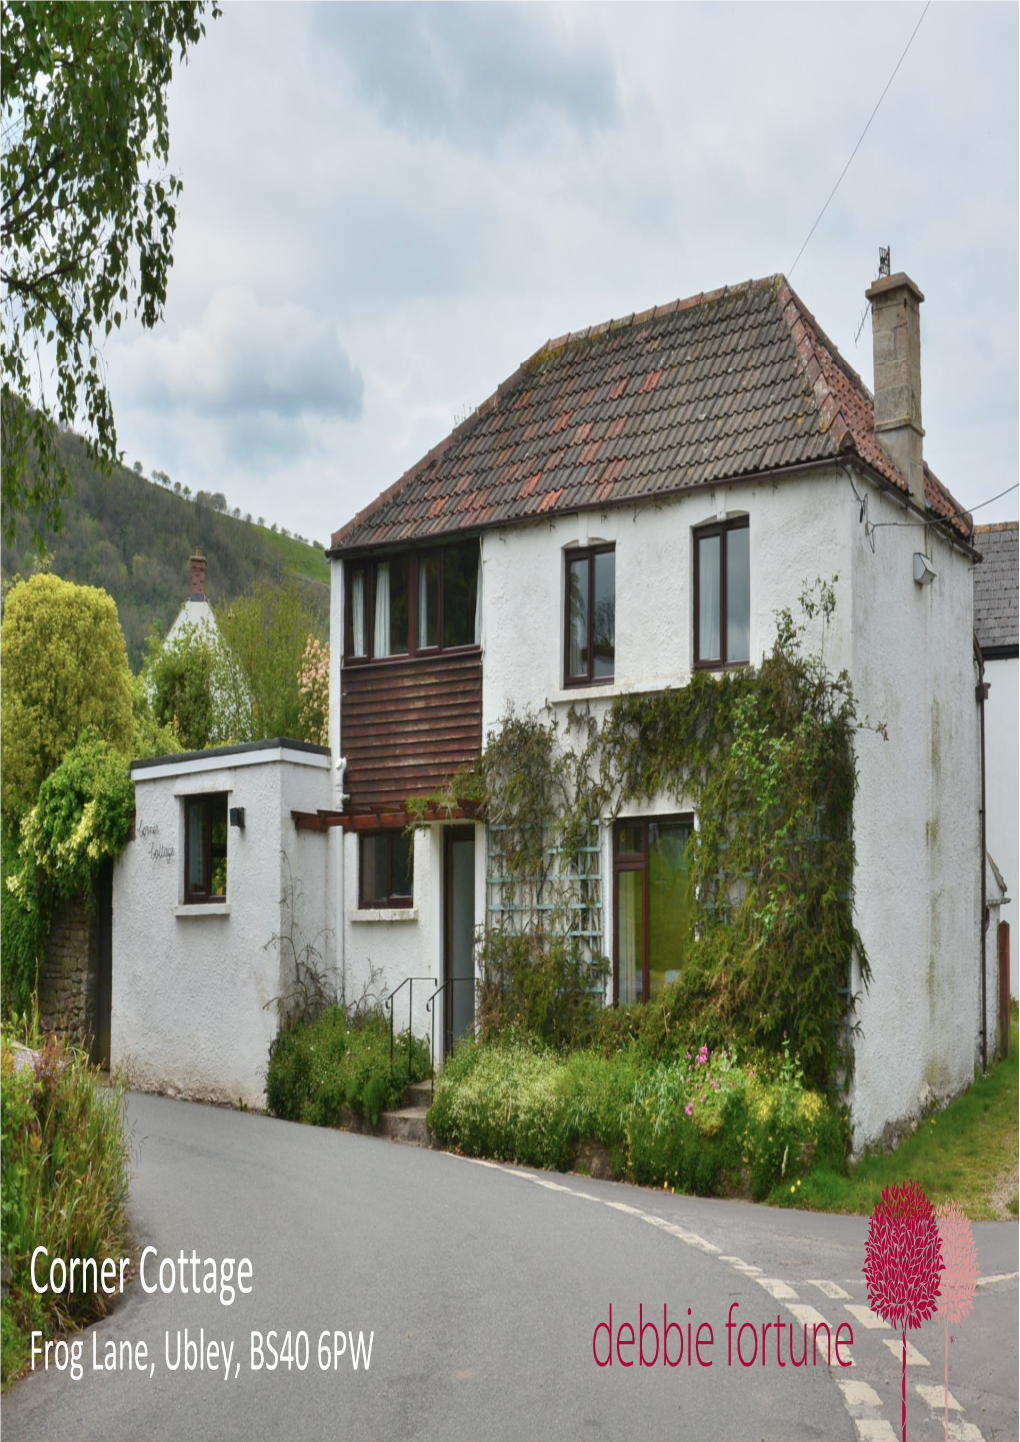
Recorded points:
(133, 538)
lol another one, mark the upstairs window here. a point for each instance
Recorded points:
(386, 870)
(205, 848)
(722, 595)
(418, 602)
(590, 647)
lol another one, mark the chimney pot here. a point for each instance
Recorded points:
(198, 576)
(896, 349)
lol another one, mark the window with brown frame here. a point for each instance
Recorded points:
(590, 616)
(722, 594)
(385, 869)
(414, 603)
(651, 905)
(205, 848)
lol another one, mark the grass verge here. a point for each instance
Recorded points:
(962, 1154)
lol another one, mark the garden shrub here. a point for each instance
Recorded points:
(701, 1124)
(685, 1128)
(316, 1068)
(64, 1157)
(508, 1100)
(538, 984)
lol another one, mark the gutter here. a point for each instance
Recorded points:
(774, 473)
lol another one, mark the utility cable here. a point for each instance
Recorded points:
(857, 147)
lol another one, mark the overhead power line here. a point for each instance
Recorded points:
(857, 147)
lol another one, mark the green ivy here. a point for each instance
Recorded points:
(764, 756)
(83, 816)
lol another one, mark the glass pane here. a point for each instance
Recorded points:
(373, 869)
(708, 598)
(577, 610)
(604, 620)
(195, 860)
(399, 611)
(629, 839)
(668, 902)
(630, 933)
(738, 595)
(218, 845)
(428, 601)
(381, 628)
(359, 632)
(460, 594)
(401, 865)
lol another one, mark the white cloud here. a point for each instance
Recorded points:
(243, 359)
(386, 211)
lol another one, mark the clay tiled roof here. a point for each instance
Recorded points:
(996, 583)
(724, 385)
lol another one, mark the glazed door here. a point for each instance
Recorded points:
(458, 933)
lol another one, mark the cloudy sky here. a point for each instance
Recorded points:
(387, 208)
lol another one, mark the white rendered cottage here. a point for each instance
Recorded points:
(636, 502)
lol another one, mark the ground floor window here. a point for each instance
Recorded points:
(385, 869)
(205, 848)
(651, 904)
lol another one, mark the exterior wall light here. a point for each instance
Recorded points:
(237, 817)
(924, 571)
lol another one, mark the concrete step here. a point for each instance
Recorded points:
(406, 1125)
(419, 1094)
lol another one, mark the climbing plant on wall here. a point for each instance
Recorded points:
(764, 757)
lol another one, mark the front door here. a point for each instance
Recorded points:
(458, 934)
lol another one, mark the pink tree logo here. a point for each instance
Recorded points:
(959, 1277)
(904, 1260)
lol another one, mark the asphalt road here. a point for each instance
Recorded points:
(481, 1287)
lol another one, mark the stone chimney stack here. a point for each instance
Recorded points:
(896, 339)
(198, 577)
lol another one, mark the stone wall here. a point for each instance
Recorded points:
(67, 984)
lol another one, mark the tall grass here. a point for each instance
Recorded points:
(64, 1158)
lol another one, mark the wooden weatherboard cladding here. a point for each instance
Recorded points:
(406, 726)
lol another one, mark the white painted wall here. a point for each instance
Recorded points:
(909, 650)
(1002, 746)
(793, 541)
(917, 890)
(193, 986)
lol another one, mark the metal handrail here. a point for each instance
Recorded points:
(443, 985)
(409, 982)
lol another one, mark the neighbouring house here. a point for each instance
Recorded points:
(997, 627)
(632, 505)
(196, 612)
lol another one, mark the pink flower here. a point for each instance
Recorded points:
(689, 1109)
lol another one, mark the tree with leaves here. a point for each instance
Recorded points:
(265, 635)
(88, 217)
(65, 673)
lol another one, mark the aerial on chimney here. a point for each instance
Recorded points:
(896, 341)
(198, 576)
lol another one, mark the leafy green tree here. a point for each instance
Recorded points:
(87, 216)
(182, 674)
(265, 633)
(65, 672)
